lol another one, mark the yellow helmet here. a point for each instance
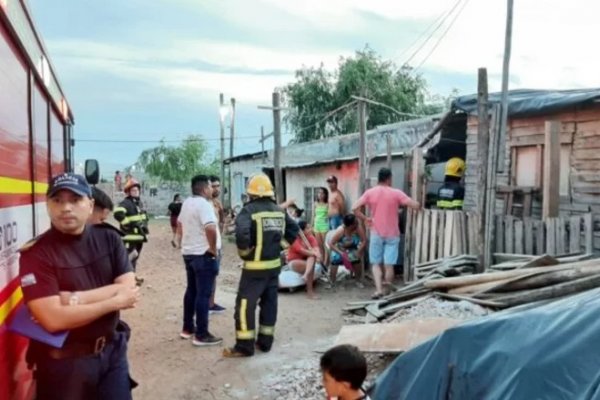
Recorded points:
(260, 185)
(455, 167)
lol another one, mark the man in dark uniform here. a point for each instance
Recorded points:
(133, 220)
(451, 195)
(260, 228)
(77, 277)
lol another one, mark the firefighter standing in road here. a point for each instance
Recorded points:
(133, 220)
(452, 194)
(260, 228)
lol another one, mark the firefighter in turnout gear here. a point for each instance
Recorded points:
(260, 228)
(133, 220)
(452, 194)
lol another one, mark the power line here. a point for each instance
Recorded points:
(433, 32)
(444, 34)
(328, 115)
(159, 140)
(422, 35)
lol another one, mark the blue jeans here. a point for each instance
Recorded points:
(201, 272)
(96, 377)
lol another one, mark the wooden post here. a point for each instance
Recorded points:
(388, 148)
(262, 143)
(362, 147)
(418, 168)
(505, 78)
(222, 126)
(551, 191)
(483, 143)
(231, 139)
(495, 147)
(277, 150)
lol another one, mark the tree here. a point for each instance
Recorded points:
(317, 92)
(179, 163)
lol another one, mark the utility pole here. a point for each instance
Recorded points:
(262, 143)
(222, 125)
(505, 77)
(362, 146)
(483, 145)
(276, 108)
(232, 136)
(277, 151)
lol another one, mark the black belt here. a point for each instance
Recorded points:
(80, 349)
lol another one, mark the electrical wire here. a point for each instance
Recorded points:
(433, 33)
(422, 35)
(443, 35)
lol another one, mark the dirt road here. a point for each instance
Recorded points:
(168, 367)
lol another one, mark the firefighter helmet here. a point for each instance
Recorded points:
(260, 186)
(130, 184)
(455, 167)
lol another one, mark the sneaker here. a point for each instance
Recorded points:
(185, 334)
(208, 340)
(216, 309)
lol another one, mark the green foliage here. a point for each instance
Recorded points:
(317, 92)
(179, 163)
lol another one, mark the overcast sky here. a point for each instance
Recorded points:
(146, 70)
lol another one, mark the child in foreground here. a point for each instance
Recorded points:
(344, 370)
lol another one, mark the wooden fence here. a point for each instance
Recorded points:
(553, 236)
(435, 234)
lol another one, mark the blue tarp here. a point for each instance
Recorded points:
(526, 102)
(548, 351)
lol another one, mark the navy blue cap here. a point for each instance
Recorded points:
(69, 181)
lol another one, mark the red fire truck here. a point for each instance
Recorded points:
(35, 142)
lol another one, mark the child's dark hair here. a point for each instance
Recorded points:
(101, 200)
(345, 363)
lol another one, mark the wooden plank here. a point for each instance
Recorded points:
(519, 245)
(527, 204)
(449, 230)
(561, 236)
(540, 237)
(551, 236)
(441, 234)
(509, 235)
(551, 189)
(499, 234)
(589, 233)
(483, 148)
(426, 233)
(393, 337)
(418, 238)
(433, 235)
(538, 139)
(463, 232)
(408, 246)
(456, 236)
(528, 235)
(575, 234)
(418, 168)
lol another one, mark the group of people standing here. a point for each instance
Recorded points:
(341, 236)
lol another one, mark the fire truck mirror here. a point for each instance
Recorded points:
(92, 171)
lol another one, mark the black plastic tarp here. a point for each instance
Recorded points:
(549, 351)
(526, 102)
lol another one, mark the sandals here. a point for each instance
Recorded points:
(377, 296)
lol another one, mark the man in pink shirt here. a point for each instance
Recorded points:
(383, 202)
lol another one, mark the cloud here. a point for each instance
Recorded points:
(194, 68)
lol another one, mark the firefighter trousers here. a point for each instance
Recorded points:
(256, 288)
(134, 249)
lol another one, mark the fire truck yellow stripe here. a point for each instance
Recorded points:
(21, 186)
(10, 304)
